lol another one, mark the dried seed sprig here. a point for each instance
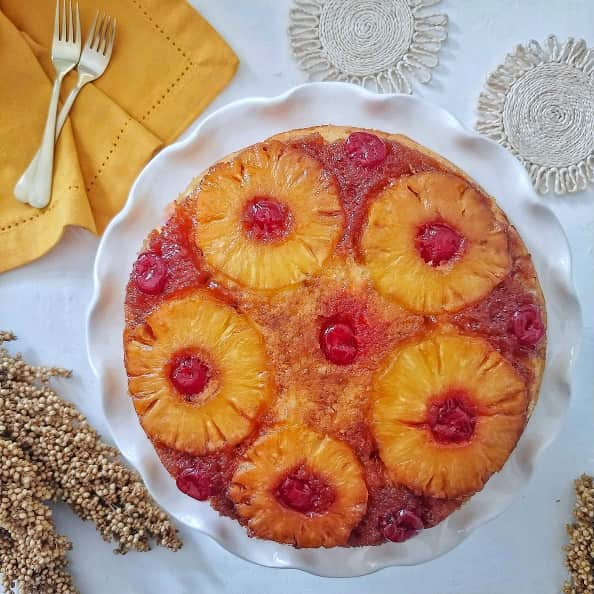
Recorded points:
(32, 555)
(52, 578)
(60, 455)
(579, 553)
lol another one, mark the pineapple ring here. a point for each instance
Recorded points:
(299, 184)
(396, 265)
(411, 379)
(269, 461)
(236, 397)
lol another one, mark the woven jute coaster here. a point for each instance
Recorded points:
(540, 105)
(379, 44)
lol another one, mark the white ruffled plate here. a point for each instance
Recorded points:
(251, 120)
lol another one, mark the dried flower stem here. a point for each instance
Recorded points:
(30, 549)
(579, 557)
(49, 451)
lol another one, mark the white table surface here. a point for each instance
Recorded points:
(45, 304)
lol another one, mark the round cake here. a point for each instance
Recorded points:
(336, 338)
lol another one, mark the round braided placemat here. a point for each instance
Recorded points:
(379, 44)
(540, 105)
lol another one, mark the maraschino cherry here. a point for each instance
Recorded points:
(150, 273)
(438, 243)
(338, 342)
(189, 374)
(366, 149)
(403, 525)
(266, 219)
(527, 325)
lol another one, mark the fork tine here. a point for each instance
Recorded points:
(105, 36)
(70, 32)
(77, 37)
(63, 32)
(57, 21)
(91, 35)
(111, 40)
(99, 33)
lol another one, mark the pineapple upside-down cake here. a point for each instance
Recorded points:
(337, 337)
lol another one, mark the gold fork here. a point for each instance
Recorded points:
(93, 62)
(65, 54)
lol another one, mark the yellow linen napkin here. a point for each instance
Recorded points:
(167, 66)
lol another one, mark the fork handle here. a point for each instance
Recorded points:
(38, 193)
(65, 111)
(24, 185)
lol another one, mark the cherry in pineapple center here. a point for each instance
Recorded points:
(266, 219)
(438, 243)
(452, 418)
(189, 374)
(305, 491)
